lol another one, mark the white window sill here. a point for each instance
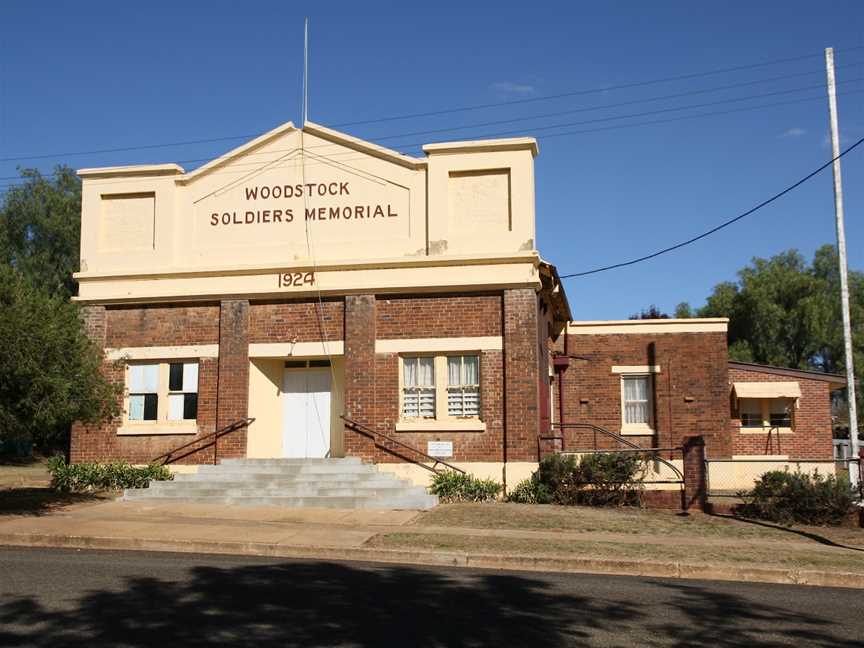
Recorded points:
(157, 428)
(764, 430)
(445, 425)
(636, 430)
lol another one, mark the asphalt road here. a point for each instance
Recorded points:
(100, 598)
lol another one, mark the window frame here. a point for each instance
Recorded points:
(442, 420)
(637, 428)
(765, 414)
(162, 424)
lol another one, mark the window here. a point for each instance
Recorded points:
(143, 392)
(162, 392)
(636, 400)
(463, 385)
(442, 389)
(765, 413)
(418, 387)
(182, 391)
(751, 412)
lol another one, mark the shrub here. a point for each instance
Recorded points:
(805, 498)
(530, 491)
(452, 486)
(76, 478)
(601, 479)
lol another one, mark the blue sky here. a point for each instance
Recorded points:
(220, 69)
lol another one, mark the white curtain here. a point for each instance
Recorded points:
(409, 372)
(636, 399)
(454, 371)
(471, 368)
(426, 373)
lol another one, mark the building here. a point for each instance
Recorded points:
(356, 301)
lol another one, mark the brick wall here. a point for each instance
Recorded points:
(305, 321)
(521, 374)
(360, 374)
(162, 325)
(372, 380)
(691, 391)
(438, 316)
(232, 397)
(812, 434)
(149, 326)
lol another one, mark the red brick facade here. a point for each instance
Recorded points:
(811, 436)
(296, 321)
(691, 394)
(691, 390)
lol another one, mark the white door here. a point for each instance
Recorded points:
(306, 425)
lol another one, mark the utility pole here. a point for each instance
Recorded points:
(854, 475)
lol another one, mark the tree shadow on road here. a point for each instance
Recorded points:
(326, 604)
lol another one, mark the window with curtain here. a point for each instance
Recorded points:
(636, 396)
(418, 387)
(162, 391)
(463, 385)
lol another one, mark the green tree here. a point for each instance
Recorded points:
(783, 311)
(50, 371)
(652, 312)
(40, 224)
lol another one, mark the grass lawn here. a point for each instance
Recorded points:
(631, 534)
(741, 555)
(636, 522)
(24, 489)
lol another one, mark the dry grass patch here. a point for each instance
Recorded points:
(41, 501)
(581, 519)
(742, 556)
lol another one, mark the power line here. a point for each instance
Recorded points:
(576, 93)
(238, 167)
(410, 146)
(719, 227)
(46, 156)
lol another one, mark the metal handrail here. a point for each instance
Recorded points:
(633, 447)
(365, 429)
(167, 457)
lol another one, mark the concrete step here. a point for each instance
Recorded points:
(338, 483)
(286, 469)
(290, 461)
(282, 492)
(279, 478)
(383, 502)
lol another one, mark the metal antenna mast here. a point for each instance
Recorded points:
(305, 70)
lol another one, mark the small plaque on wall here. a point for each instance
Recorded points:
(439, 448)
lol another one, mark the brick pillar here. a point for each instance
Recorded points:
(95, 323)
(360, 373)
(521, 375)
(695, 473)
(232, 390)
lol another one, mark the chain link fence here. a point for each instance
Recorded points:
(727, 478)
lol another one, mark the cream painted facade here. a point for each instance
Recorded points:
(302, 212)
(303, 215)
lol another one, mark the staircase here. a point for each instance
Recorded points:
(335, 483)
